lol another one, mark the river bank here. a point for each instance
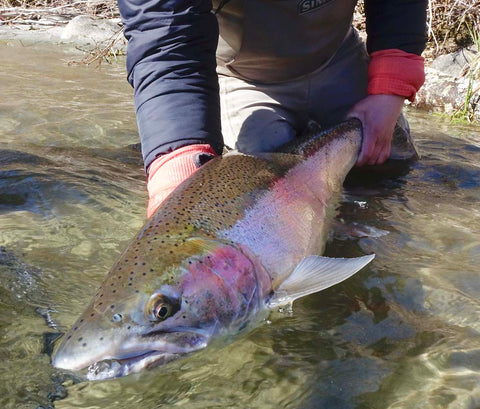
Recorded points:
(452, 85)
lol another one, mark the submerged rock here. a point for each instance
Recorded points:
(18, 277)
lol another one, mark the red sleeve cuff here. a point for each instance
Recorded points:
(395, 72)
(169, 170)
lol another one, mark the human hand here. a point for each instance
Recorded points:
(378, 114)
(168, 171)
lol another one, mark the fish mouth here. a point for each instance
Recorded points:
(116, 368)
(121, 356)
(116, 358)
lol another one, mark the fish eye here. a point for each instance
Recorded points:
(162, 311)
(160, 307)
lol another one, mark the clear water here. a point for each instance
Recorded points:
(403, 333)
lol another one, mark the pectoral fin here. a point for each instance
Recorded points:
(316, 273)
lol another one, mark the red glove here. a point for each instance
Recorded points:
(168, 171)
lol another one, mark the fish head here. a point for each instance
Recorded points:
(163, 310)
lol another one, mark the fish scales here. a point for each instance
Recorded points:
(215, 255)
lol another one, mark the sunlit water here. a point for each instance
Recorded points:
(403, 333)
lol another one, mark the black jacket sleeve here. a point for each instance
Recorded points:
(397, 24)
(171, 65)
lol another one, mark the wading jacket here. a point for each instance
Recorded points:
(172, 53)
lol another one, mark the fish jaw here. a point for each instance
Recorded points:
(109, 369)
(119, 354)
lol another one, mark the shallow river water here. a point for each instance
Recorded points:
(403, 333)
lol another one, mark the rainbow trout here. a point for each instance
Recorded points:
(239, 237)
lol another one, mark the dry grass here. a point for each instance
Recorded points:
(107, 52)
(451, 23)
(53, 11)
